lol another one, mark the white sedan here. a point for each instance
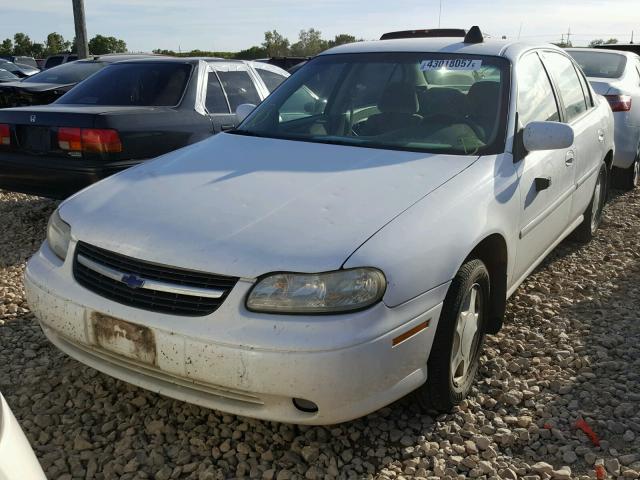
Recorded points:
(616, 75)
(341, 248)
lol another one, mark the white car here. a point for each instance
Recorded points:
(616, 75)
(17, 460)
(313, 266)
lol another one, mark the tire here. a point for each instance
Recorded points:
(593, 214)
(628, 178)
(451, 375)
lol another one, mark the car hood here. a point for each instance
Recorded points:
(245, 206)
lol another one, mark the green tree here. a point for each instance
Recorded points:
(6, 47)
(99, 45)
(56, 43)
(309, 42)
(22, 44)
(38, 50)
(275, 44)
(341, 40)
(252, 53)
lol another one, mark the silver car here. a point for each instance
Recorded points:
(616, 75)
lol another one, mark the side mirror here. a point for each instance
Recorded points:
(244, 110)
(547, 136)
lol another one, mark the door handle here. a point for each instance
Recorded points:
(542, 183)
(569, 158)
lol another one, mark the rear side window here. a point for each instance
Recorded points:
(270, 79)
(566, 78)
(53, 61)
(536, 101)
(133, 84)
(239, 87)
(216, 101)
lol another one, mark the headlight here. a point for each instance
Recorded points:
(58, 235)
(332, 292)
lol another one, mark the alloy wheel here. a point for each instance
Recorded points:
(466, 335)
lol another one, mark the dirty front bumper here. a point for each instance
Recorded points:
(238, 361)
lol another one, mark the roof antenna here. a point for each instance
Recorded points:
(474, 35)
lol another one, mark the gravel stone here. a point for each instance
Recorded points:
(566, 351)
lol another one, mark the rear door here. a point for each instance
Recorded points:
(547, 177)
(589, 128)
(216, 103)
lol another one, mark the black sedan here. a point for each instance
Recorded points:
(128, 112)
(45, 87)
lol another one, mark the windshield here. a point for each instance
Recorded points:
(600, 64)
(5, 75)
(133, 84)
(10, 67)
(432, 102)
(67, 73)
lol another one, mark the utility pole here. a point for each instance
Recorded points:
(82, 44)
(569, 37)
(440, 14)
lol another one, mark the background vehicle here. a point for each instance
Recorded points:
(128, 112)
(6, 76)
(622, 47)
(20, 71)
(338, 253)
(59, 59)
(616, 75)
(17, 459)
(47, 86)
(21, 60)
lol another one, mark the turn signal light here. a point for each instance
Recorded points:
(5, 134)
(619, 103)
(94, 140)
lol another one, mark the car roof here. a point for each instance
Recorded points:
(503, 48)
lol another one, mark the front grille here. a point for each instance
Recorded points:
(146, 298)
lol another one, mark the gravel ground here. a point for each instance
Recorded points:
(568, 351)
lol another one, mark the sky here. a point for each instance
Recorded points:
(235, 25)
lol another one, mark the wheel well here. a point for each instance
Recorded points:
(608, 160)
(493, 253)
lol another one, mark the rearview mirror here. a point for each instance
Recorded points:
(547, 136)
(244, 110)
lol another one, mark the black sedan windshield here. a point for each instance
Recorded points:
(72, 72)
(430, 102)
(134, 84)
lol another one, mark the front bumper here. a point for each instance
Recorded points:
(53, 177)
(245, 363)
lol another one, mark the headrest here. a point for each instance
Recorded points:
(484, 97)
(445, 100)
(399, 98)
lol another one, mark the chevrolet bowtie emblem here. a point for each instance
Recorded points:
(132, 281)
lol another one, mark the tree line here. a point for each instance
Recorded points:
(310, 42)
(22, 45)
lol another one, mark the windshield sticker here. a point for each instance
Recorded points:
(450, 64)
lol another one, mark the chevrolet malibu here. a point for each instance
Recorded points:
(351, 242)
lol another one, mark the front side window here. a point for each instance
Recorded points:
(566, 78)
(132, 84)
(239, 87)
(430, 102)
(600, 64)
(67, 73)
(536, 101)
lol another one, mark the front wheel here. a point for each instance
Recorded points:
(453, 361)
(593, 214)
